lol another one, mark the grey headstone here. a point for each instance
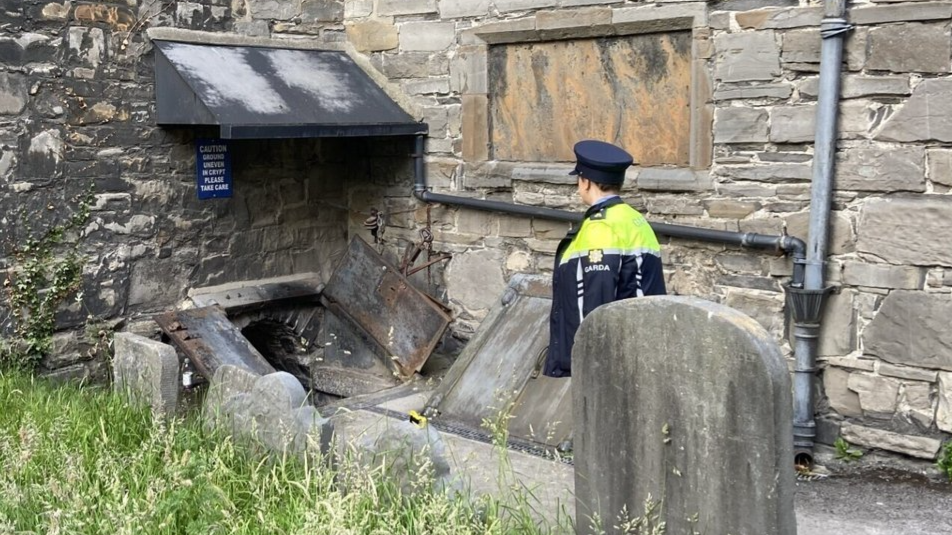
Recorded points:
(146, 371)
(268, 412)
(228, 382)
(409, 455)
(687, 402)
(280, 390)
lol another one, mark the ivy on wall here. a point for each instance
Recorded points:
(47, 270)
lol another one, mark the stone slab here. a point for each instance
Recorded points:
(878, 396)
(940, 166)
(870, 15)
(780, 18)
(427, 36)
(856, 86)
(733, 92)
(927, 115)
(229, 381)
(907, 230)
(841, 399)
(373, 35)
(882, 276)
(924, 48)
(801, 49)
(906, 372)
(13, 93)
(660, 17)
(768, 172)
(405, 7)
(911, 329)
(454, 9)
(792, 124)
(841, 239)
(665, 179)
(921, 447)
(671, 403)
(747, 56)
(146, 371)
(740, 125)
(271, 414)
(881, 169)
(943, 417)
(505, 6)
(838, 331)
(412, 456)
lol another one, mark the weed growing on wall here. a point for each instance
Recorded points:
(47, 270)
(945, 460)
(844, 452)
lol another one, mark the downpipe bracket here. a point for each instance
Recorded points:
(834, 26)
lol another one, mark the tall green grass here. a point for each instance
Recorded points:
(81, 461)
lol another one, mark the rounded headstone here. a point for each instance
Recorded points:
(685, 404)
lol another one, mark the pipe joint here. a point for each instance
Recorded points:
(805, 305)
(834, 27)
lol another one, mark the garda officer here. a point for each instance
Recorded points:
(613, 254)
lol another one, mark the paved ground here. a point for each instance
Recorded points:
(883, 501)
(878, 496)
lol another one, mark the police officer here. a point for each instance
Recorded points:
(613, 254)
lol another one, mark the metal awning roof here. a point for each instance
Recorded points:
(256, 92)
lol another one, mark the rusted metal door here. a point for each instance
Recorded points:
(209, 339)
(373, 294)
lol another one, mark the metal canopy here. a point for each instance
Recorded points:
(261, 92)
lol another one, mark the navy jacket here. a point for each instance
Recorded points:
(614, 254)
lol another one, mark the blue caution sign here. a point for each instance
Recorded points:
(213, 168)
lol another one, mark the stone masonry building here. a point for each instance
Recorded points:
(716, 100)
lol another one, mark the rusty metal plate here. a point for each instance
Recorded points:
(373, 294)
(210, 340)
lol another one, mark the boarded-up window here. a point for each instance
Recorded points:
(630, 90)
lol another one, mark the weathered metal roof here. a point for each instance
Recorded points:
(256, 92)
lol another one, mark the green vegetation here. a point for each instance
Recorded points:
(945, 460)
(47, 269)
(79, 460)
(844, 452)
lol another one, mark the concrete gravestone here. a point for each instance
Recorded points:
(146, 371)
(683, 405)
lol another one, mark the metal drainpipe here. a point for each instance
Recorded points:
(789, 244)
(807, 303)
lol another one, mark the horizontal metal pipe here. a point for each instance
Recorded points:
(788, 244)
(781, 243)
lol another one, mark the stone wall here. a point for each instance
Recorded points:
(77, 109)
(76, 104)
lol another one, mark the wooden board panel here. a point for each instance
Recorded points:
(631, 90)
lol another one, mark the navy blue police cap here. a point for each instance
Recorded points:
(601, 162)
